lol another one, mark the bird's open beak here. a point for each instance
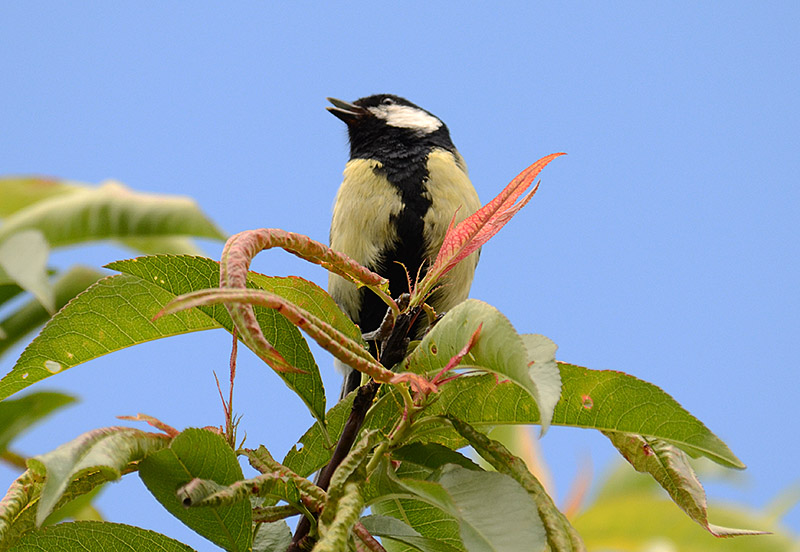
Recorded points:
(346, 111)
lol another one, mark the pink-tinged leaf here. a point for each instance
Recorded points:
(153, 421)
(241, 248)
(417, 382)
(328, 337)
(456, 359)
(239, 251)
(474, 231)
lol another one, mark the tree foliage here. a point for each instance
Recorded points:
(393, 446)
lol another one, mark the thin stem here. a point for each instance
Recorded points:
(368, 540)
(229, 421)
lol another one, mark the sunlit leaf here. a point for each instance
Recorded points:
(498, 348)
(118, 312)
(592, 399)
(19, 192)
(31, 315)
(23, 261)
(112, 314)
(110, 211)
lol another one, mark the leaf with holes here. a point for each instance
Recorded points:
(498, 347)
(670, 467)
(592, 399)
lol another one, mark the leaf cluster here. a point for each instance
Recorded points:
(393, 446)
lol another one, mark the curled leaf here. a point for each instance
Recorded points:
(328, 337)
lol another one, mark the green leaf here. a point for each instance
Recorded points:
(112, 314)
(670, 467)
(110, 211)
(481, 401)
(387, 527)
(32, 314)
(498, 349)
(18, 507)
(637, 514)
(117, 312)
(202, 454)
(183, 274)
(162, 245)
(272, 537)
(494, 512)
(545, 373)
(614, 401)
(108, 450)
(432, 456)
(23, 261)
(561, 536)
(593, 399)
(97, 536)
(315, 449)
(19, 192)
(428, 521)
(18, 415)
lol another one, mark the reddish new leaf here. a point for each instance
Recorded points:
(474, 231)
(239, 252)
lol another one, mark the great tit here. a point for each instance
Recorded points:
(403, 184)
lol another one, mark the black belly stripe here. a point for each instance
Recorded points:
(407, 171)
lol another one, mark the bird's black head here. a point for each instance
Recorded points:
(385, 123)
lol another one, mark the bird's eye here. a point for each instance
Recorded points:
(387, 101)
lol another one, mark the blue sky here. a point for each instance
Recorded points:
(664, 245)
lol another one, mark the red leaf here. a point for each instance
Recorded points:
(474, 231)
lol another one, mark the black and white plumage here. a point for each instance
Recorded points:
(403, 184)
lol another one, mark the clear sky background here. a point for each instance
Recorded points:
(664, 245)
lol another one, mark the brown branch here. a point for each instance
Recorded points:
(393, 351)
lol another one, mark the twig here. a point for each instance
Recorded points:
(394, 350)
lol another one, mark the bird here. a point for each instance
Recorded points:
(404, 183)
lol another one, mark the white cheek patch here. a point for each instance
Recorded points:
(404, 116)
